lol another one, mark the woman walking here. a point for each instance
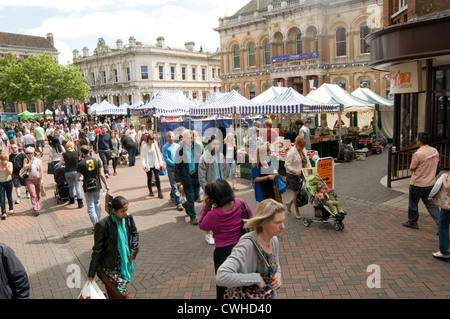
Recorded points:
(117, 147)
(35, 179)
(230, 158)
(296, 159)
(151, 161)
(253, 267)
(116, 244)
(6, 184)
(70, 158)
(222, 215)
(263, 174)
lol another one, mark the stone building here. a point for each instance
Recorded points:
(23, 46)
(300, 44)
(138, 71)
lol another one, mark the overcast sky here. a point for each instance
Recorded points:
(76, 24)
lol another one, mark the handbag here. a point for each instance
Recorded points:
(439, 194)
(24, 174)
(162, 170)
(276, 193)
(92, 185)
(43, 193)
(251, 292)
(50, 168)
(302, 194)
(281, 184)
(245, 215)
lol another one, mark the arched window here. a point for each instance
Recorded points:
(236, 57)
(341, 83)
(267, 57)
(299, 43)
(341, 42)
(363, 32)
(251, 54)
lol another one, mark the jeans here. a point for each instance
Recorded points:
(105, 157)
(132, 156)
(70, 178)
(444, 221)
(174, 193)
(94, 206)
(6, 193)
(230, 168)
(417, 193)
(192, 192)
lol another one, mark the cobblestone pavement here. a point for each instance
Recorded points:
(175, 262)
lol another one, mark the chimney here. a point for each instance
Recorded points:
(75, 54)
(132, 42)
(50, 38)
(190, 46)
(119, 44)
(85, 52)
(160, 42)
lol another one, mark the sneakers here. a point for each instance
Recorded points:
(411, 225)
(18, 200)
(194, 221)
(441, 256)
(180, 207)
(209, 239)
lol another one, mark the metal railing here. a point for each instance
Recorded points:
(400, 161)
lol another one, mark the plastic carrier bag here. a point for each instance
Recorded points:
(91, 291)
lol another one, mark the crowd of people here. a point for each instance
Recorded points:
(246, 247)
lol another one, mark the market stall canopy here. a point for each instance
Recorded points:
(370, 96)
(97, 109)
(333, 93)
(166, 103)
(114, 110)
(290, 102)
(269, 94)
(136, 104)
(26, 115)
(229, 103)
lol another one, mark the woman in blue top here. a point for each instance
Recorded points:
(263, 173)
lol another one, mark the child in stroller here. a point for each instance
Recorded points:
(322, 195)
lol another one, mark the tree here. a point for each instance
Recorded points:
(40, 78)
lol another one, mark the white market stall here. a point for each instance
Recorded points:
(269, 94)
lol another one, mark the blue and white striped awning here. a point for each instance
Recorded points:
(288, 102)
(229, 103)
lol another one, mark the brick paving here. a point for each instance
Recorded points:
(175, 262)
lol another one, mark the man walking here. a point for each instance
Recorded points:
(304, 132)
(168, 151)
(104, 147)
(16, 158)
(423, 167)
(39, 133)
(91, 170)
(187, 158)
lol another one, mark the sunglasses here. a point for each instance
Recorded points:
(29, 153)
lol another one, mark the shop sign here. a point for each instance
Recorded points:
(325, 169)
(406, 78)
(295, 57)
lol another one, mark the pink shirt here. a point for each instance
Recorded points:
(226, 226)
(423, 165)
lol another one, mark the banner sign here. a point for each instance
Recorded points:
(406, 78)
(142, 113)
(294, 57)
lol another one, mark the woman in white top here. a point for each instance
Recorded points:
(6, 184)
(296, 159)
(35, 178)
(230, 158)
(152, 161)
(131, 132)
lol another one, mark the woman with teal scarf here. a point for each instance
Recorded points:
(116, 244)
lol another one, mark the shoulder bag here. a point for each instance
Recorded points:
(245, 215)
(162, 170)
(251, 292)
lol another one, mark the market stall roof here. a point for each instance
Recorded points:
(333, 93)
(168, 103)
(269, 94)
(136, 104)
(229, 103)
(289, 102)
(370, 96)
(26, 115)
(113, 110)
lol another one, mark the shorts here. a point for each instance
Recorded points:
(17, 181)
(40, 143)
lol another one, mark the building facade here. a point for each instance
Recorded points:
(413, 46)
(300, 44)
(137, 71)
(23, 46)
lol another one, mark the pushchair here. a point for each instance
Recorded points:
(62, 187)
(321, 211)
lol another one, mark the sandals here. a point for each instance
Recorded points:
(441, 256)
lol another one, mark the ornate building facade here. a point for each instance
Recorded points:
(300, 44)
(137, 72)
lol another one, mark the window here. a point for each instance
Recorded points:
(183, 73)
(104, 77)
(251, 54)
(213, 73)
(364, 46)
(298, 43)
(193, 73)
(144, 72)
(341, 83)
(364, 83)
(31, 107)
(204, 97)
(172, 73)
(203, 74)
(251, 92)
(116, 75)
(267, 56)
(236, 57)
(128, 74)
(10, 107)
(93, 78)
(161, 72)
(341, 43)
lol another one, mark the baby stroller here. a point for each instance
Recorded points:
(321, 211)
(62, 187)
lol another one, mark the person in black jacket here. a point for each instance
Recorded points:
(14, 283)
(131, 146)
(187, 158)
(116, 244)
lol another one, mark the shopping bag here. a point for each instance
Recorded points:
(91, 291)
(162, 171)
(43, 193)
(281, 184)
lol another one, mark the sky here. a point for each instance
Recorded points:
(78, 24)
